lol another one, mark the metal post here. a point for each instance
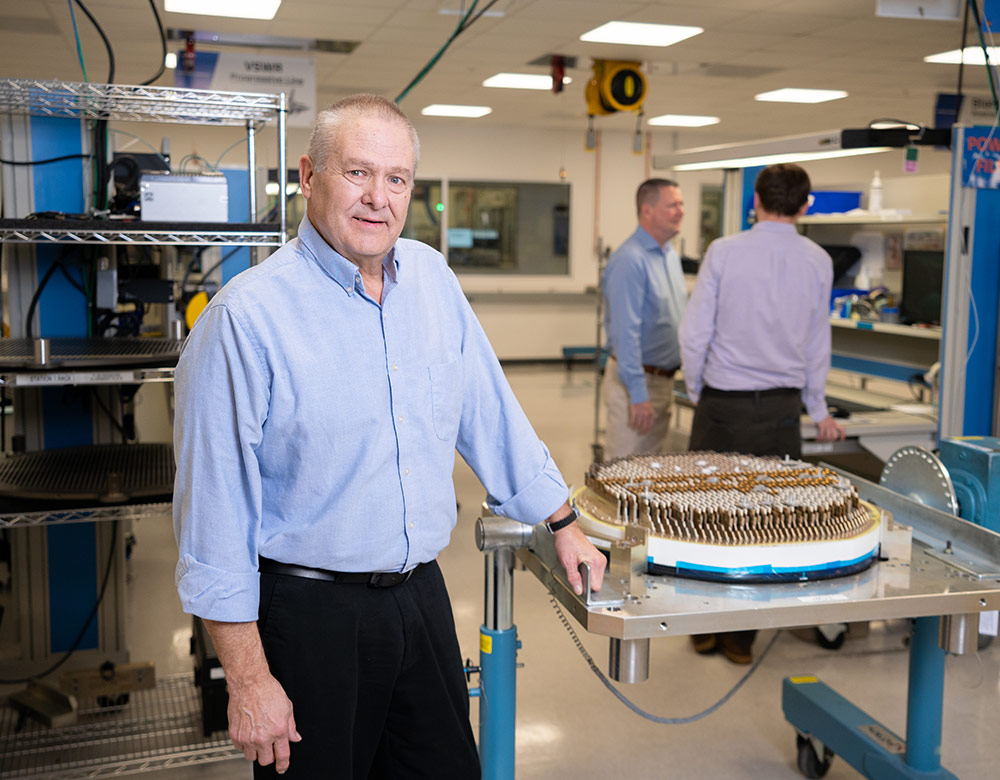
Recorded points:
(498, 669)
(252, 164)
(925, 697)
(498, 645)
(282, 168)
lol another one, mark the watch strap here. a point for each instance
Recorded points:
(557, 525)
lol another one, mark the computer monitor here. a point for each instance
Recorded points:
(923, 282)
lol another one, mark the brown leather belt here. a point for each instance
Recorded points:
(376, 579)
(657, 371)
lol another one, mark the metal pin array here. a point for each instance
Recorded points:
(730, 499)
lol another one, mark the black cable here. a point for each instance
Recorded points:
(961, 59)
(163, 41)
(107, 43)
(44, 162)
(95, 394)
(986, 54)
(225, 257)
(28, 324)
(90, 617)
(28, 321)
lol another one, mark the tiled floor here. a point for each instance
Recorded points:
(569, 725)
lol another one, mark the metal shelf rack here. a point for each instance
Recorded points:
(138, 104)
(89, 515)
(32, 231)
(157, 729)
(151, 104)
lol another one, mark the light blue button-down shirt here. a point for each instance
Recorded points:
(759, 316)
(644, 300)
(316, 427)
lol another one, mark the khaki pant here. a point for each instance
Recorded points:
(620, 439)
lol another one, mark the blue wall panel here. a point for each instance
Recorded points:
(62, 312)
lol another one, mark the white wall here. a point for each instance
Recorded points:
(602, 205)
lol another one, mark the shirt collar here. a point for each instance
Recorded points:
(647, 241)
(341, 270)
(770, 226)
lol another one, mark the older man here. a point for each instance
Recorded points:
(320, 400)
(643, 304)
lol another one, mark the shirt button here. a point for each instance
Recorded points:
(412, 525)
(400, 418)
(406, 471)
(395, 367)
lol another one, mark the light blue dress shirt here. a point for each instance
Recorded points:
(644, 300)
(316, 427)
(759, 316)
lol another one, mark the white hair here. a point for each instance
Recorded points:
(328, 121)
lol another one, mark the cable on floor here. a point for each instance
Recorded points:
(634, 707)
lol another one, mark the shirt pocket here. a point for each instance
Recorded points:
(446, 398)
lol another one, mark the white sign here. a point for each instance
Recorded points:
(295, 76)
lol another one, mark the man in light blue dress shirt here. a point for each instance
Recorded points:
(320, 399)
(644, 299)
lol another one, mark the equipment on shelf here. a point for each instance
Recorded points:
(183, 197)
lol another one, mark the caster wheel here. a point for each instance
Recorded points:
(809, 763)
(830, 644)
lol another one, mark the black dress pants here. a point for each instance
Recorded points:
(765, 423)
(375, 676)
(752, 424)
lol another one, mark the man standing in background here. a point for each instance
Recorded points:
(644, 301)
(756, 342)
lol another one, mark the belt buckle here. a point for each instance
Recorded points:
(388, 579)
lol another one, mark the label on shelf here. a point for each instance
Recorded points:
(73, 378)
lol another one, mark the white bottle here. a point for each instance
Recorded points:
(875, 194)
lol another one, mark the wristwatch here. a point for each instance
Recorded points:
(562, 522)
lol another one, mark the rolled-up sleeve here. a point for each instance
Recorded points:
(221, 407)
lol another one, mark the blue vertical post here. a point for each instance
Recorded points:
(925, 698)
(497, 701)
(498, 668)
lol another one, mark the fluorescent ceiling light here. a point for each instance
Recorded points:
(973, 56)
(640, 34)
(774, 159)
(463, 11)
(170, 61)
(790, 148)
(522, 81)
(894, 124)
(682, 120)
(240, 9)
(793, 95)
(443, 109)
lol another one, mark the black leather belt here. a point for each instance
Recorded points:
(373, 579)
(657, 371)
(706, 390)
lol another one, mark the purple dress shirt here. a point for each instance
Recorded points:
(759, 316)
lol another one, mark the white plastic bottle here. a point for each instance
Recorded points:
(875, 194)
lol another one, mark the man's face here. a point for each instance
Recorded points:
(663, 221)
(358, 201)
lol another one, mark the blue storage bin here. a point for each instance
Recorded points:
(834, 202)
